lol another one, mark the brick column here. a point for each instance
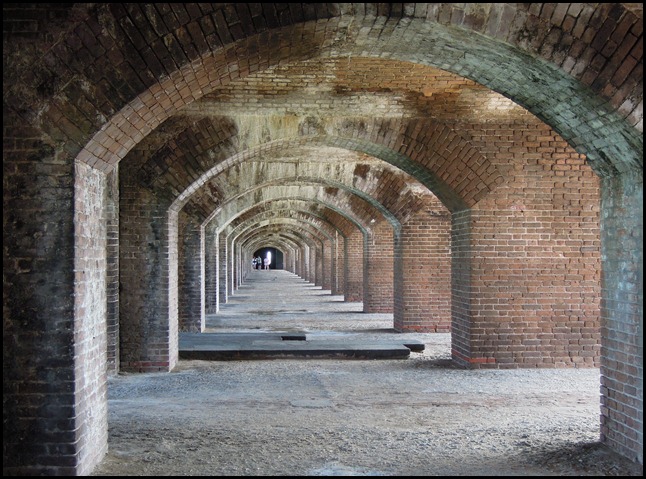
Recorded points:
(112, 286)
(211, 265)
(461, 324)
(149, 281)
(304, 262)
(230, 266)
(313, 258)
(523, 296)
(326, 270)
(297, 262)
(423, 274)
(622, 314)
(378, 273)
(353, 273)
(318, 266)
(222, 255)
(338, 278)
(191, 275)
(81, 429)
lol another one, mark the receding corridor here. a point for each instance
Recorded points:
(448, 196)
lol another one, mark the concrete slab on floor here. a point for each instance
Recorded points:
(265, 345)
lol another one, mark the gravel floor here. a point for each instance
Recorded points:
(419, 416)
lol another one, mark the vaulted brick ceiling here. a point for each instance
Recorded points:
(324, 103)
(287, 133)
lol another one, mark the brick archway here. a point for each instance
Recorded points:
(87, 85)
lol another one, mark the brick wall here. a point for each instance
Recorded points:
(527, 259)
(191, 300)
(211, 271)
(223, 274)
(149, 281)
(354, 264)
(378, 273)
(423, 272)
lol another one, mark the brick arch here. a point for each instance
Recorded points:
(334, 213)
(572, 37)
(624, 148)
(259, 228)
(249, 228)
(285, 241)
(267, 230)
(336, 227)
(306, 217)
(237, 225)
(504, 68)
(615, 148)
(394, 210)
(284, 220)
(616, 95)
(332, 206)
(346, 197)
(432, 154)
(332, 220)
(290, 237)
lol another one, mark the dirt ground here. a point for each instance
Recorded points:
(420, 416)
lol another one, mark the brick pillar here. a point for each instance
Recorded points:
(318, 262)
(461, 324)
(291, 260)
(525, 289)
(211, 284)
(378, 273)
(149, 281)
(310, 275)
(86, 438)
(54, 308)
(191, 275)
(622, 315)
(297, 262)
(313, 277)
(112, 286)
(235, 267)
(230, 266)
(222, 254)
(354, 267)
(287, 261)
(423, 274)
(338, 277)
(305, 262)
(327, 265)
(295, 255)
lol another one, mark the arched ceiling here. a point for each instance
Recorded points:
(321, 132)
(205, 104)
(315, 131)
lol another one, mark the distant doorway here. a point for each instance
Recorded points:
(275, 257)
